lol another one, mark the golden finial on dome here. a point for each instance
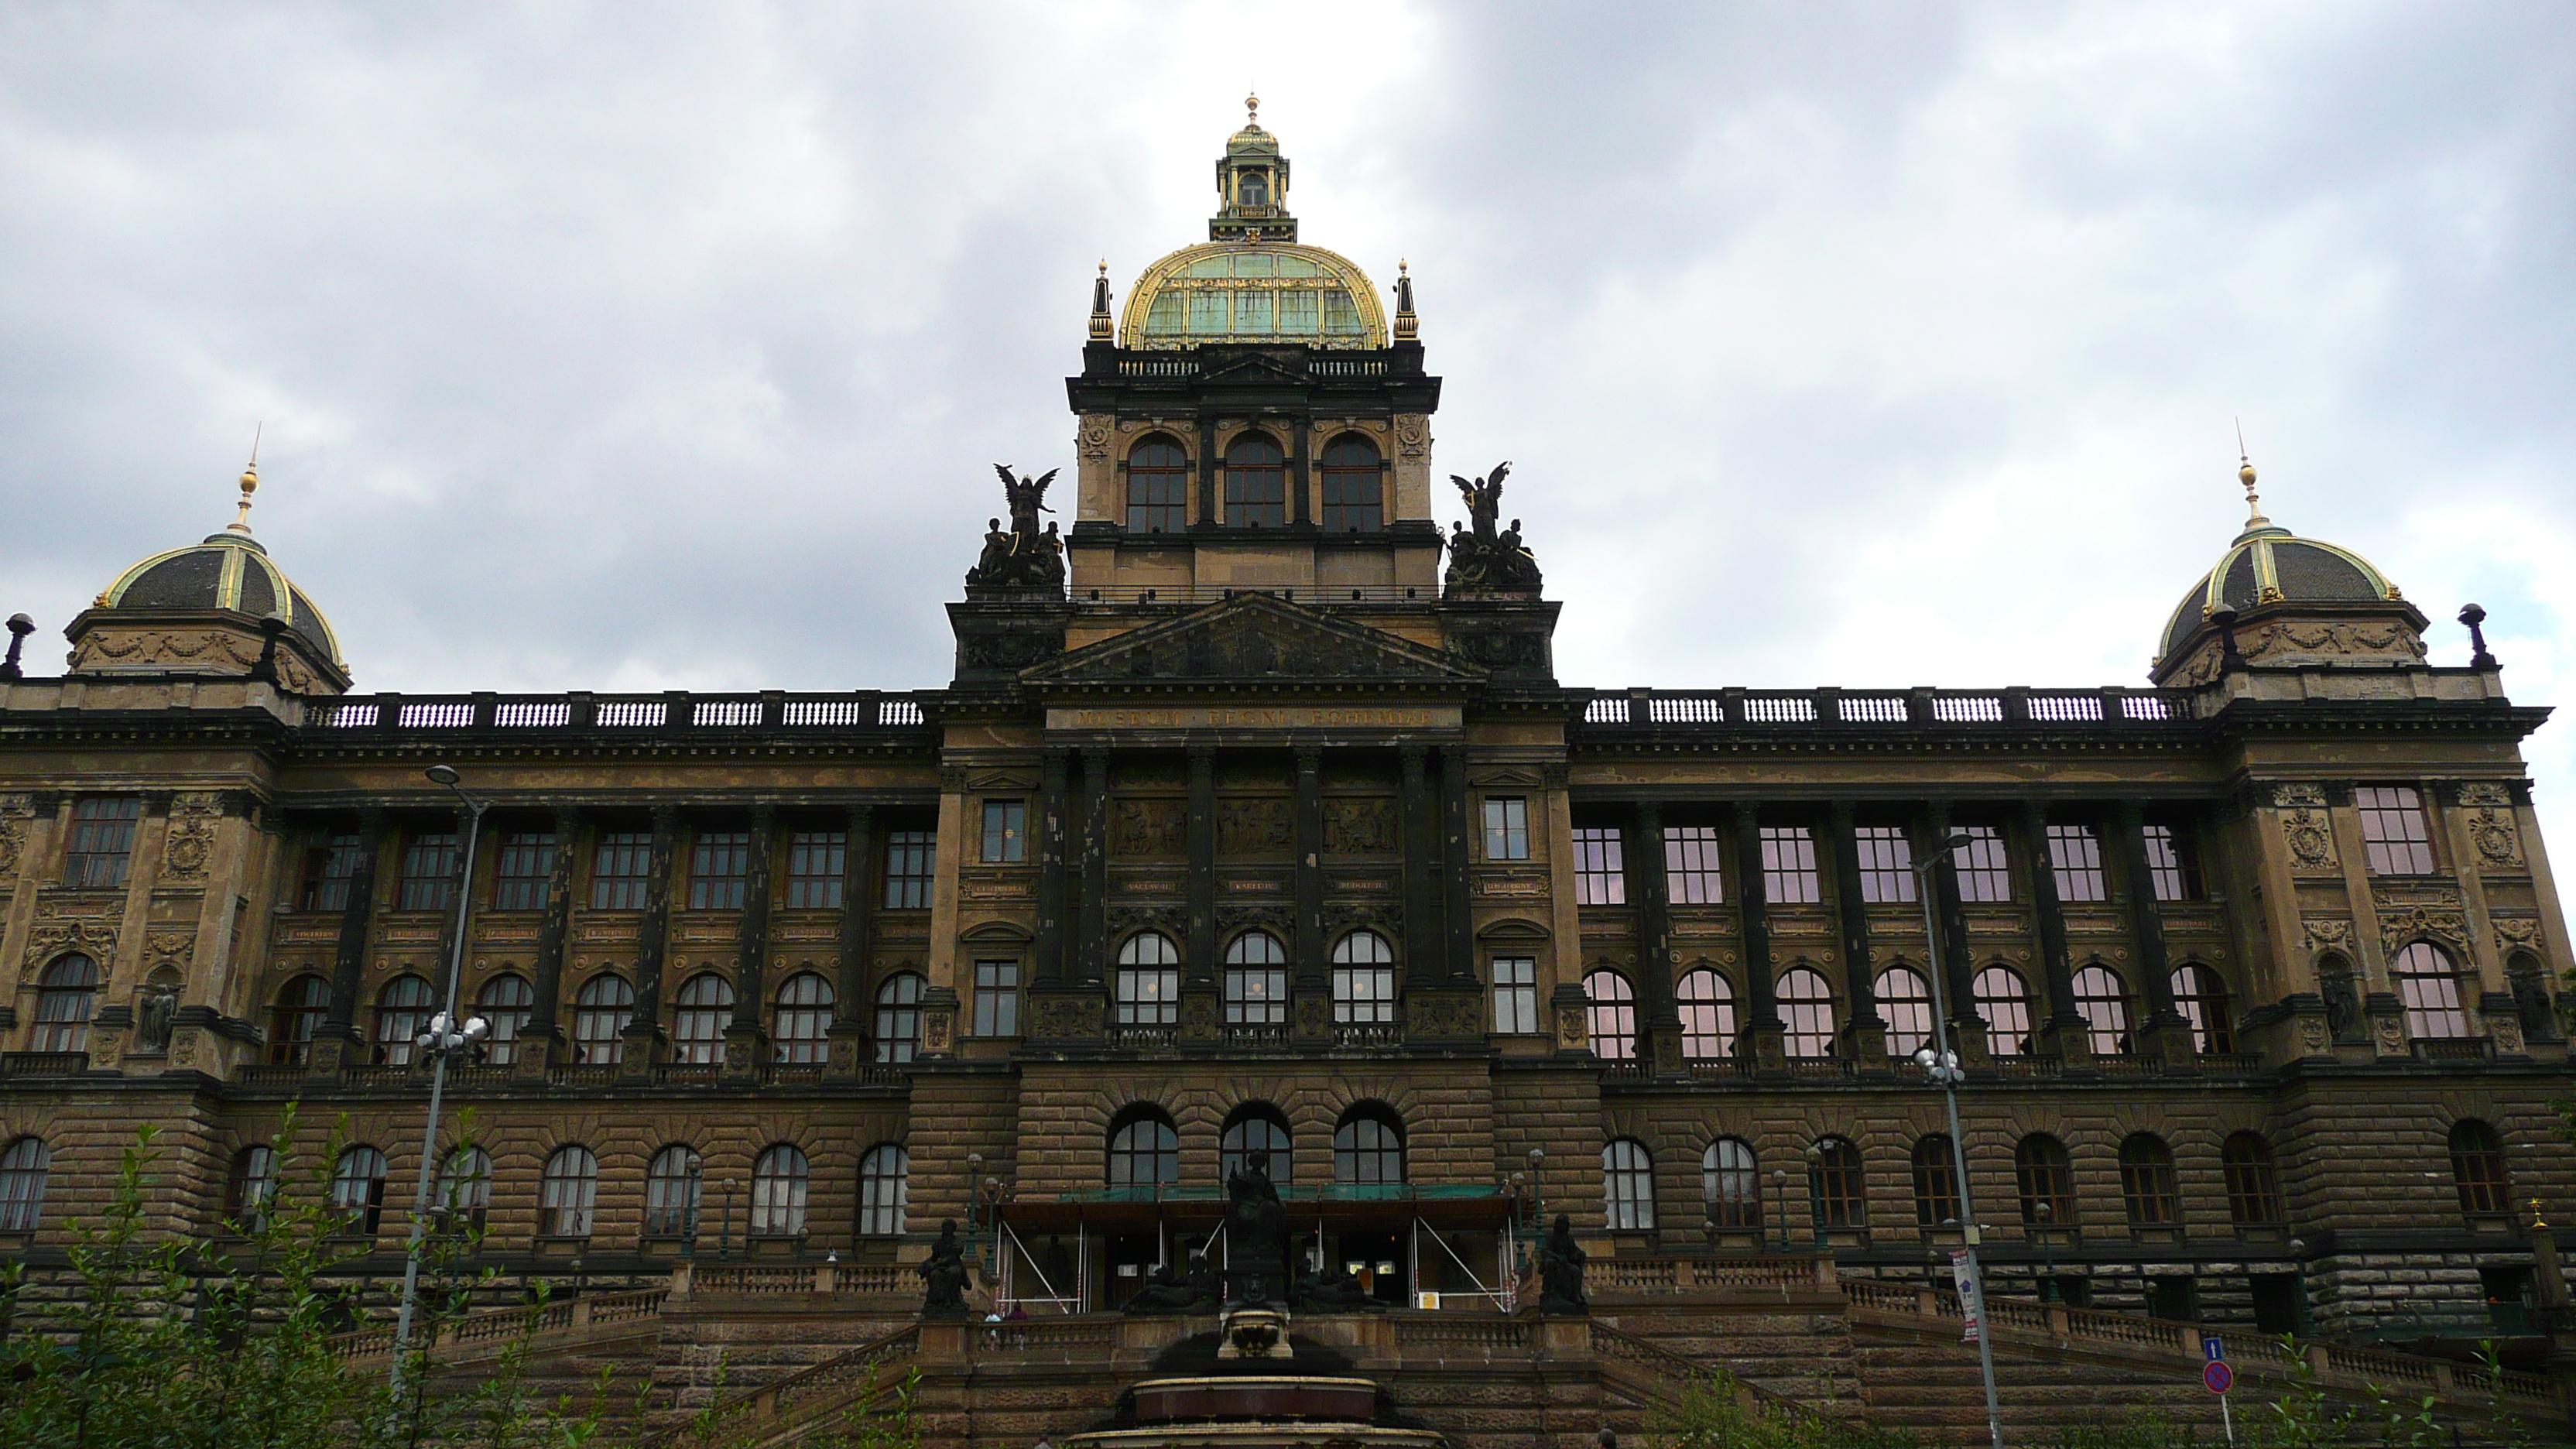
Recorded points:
(2245, 474)
(1252, 110)
(249, 484)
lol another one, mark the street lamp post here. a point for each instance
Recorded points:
(1538, 1190)
(1780, 1204)
(2047, 1250)
(1942, 1066)
(445, 1038)
(695, 1185)
(724, 1236)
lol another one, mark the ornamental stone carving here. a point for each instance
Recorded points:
(1412, 435)
(2397, 928)
(1147, 827)
(168, 951)
(2507, 1033)
(2304, 825)
(2514, 933)
(191, 838)
(1067, 1017)
(1252, 827)
(1233, 921)
(2390, 1034)
(102, 647)
(1569, 1026)
(94, 939)
(15, 811)
(1127, 920)
(1091, 439)
(1359, 827)
(2491, 831)
(2324, 934)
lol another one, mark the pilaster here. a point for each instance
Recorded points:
(747, 1035)
(850, 1021)
(1763, 1034)
(1865, 1034)
(541, 1039)
(646, 1042)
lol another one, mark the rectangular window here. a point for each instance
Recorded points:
(527, 868)
(1985, 873)
(909, 855)
(1789, 866)
(1600, 868)
(1506, 827)
(2393, 830)
(428, 873)
(1006, 829)
(1516, 995)
(2173, 863)
(620, 868)
(1886, 864)
(719, 870)
(328, 870)
(1691, 865)
(102, 840)
(2075, 861)
(997, 998)
(815, 862)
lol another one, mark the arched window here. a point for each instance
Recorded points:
(1353, 500)
(1730, 1180)
(64, 1002)
(2102, 999)
(1257, 1127)
(2253, 1188)
(2428, 985)
(2201, 997)
(2003, 999)
(674, 1192)
(1368, 1146)
(1256, 981)
(1158, 487)
(1936, 1181)
(778, 1192)
(2478, 1170)
(1708, 1016)
(2147, 1181)
(1807, 1010)
(1628, 1186)
(23, 1169)
(1148, 988)
(706, 1009)
(1905, 1003)
(464, 1193)
(251, 1187)
(1835, 1189)
(1256, 483)
(885, 1183)
(506, 1001)
(1363, 980)
(358, 1190)
(899, 1017)
(567, 1193)
(1610, 1016)
(2046, 1179)
(802, 1025)
(1144, 1150)
(600, 1013)
(402, 1014)
(302, 1005)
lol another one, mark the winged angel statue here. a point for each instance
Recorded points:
(1480, 557)
(1021, 557)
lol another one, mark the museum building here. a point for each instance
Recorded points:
(1256, 818)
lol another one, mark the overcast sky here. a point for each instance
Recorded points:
(629, 346)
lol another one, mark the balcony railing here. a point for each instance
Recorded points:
(1857, 708)
(43, 1064)
(679, 711)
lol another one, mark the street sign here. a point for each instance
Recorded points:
(2218, 1376)
(2213, 1348)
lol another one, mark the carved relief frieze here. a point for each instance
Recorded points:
(191, 838)
(1412, 435)
(2491, 827)
(2304, 825)
(2325, 934)
(102, 648)
(2313, 637)
(2397, 928)
(2517, 933)
(1148, 827)
(1126, 919)
(94, 939)
(1359, 826)
(1091, 437)
(15, 812)
(1067, 1017)
(1445, 1014)
(1252, 827)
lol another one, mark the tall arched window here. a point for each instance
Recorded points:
(1257, 1127)
(567, 1193)
(1144, 1150)
(899, 1017)
(1158, 487)
(2147, 1185)
(251, 1187)
(1148, 988)
(802, 1025)
(358, 1190)
(302, 1006)
(778, 1192)
(2201, 997)
(1807, 1010)
(1905, 1003)
(65, 998)
(2428, 985)
(1610, 1016)
(506, 1001)
(1368, 1146)
(1730, 1180)
(2003, 999)
(1628, 1185)
(1353, 497)
(599, 1016)
(2046, 1179)
(674, 1192)
(2478, 1170)
(1256, 483)
(2102, 999)
(885, 1185)
(2253, 1187)
(1363, 980)
(1936, 1181)
(1256, 981)
(464, 1194)
(1836, 1191)
(23, 1170)
(706, 1009)
(402, 1014)
(1708, 1016)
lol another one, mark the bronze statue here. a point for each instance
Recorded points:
(1331, 1290)
(943, 1276)
(1023, 557)
(153, 1018)
(1560, 1271)
(1187, 1289)
(1484, 500)
(1256, 1236)
(1480, 557)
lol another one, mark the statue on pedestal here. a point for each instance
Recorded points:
(1560, 1270)
(1256, 1236)
(1480, 556)
(943, 1276)
(1024, 557)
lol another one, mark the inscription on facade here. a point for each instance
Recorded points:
(1252, 717)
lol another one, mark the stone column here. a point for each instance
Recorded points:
(1458, 912)
(1958, 968)
(1308, 951)
(2064, 1032)
(645, 1038)
(747, 1036)
(1301, 471)
(1422, 962)
(336, 1041)
(1200, 922)
(1866, 1033)
(2166, 1034)
(1660, 1020)
(1053, 770)
(542, 1037)
(849, 1029)
(1210, 515)
(1762, 1030)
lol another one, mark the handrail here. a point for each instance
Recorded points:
(774, 1399)
(587, 1311)
(2110, 707)
(869, 711)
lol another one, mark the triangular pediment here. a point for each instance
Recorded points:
(1255, 367)
(1254, 638)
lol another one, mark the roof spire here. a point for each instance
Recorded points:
(249, 484)
(1407, 326)
(1252, 108)
(1102, 329)
(2254, 518)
